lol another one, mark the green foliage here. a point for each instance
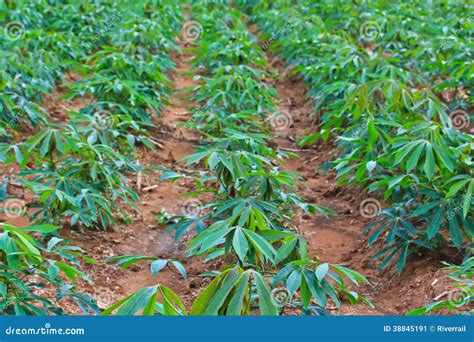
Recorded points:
(387, 93)
(73, 176)
(318, 281)
(248, 221)
(27, 266)
(145, 301)
(230, 293)
(122, 83)
(119, 131)
(78, 172)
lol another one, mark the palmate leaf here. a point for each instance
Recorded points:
(412, 152)
(405, 231)
(239, 238)
(319, 281)
(55, 265)
(145, 301)
(230, 294)
(64, 188)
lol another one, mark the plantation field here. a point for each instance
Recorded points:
(236, 157)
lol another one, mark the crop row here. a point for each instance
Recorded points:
(76, 172)
(392, 83)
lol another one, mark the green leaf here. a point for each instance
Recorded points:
(202, 301)
(314, 286)
(468, 199)
(321, 271)
(179, 266)
(413, 159)
(172, 304)
(221, 294)
(402, 259)
(240, 244)
(454, 189)
(305, 293)
(261, 244)
(149, 309)
(138, 301)
(157, 265)
(455, 231)
(429, 165)
(42, 228)
(293, 281)
(236, 303)
(372, 132)
(286, 248)
(264, 296)
(435, 223)
(371, 166)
